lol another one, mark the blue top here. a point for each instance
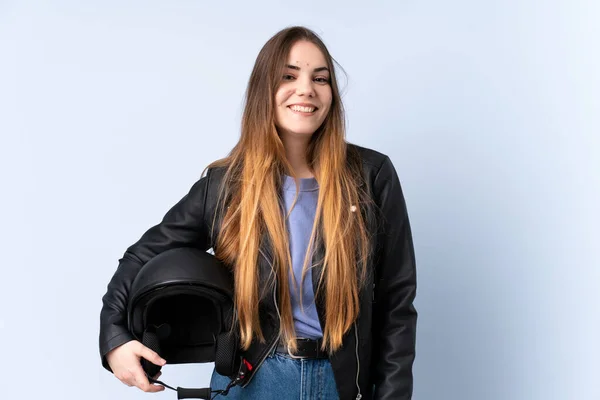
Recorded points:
(299, 226)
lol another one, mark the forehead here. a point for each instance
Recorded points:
(306, 54)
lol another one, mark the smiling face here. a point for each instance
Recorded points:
(303, 98)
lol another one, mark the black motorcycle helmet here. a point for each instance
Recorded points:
(181, 306)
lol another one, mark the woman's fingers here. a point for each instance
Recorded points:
(142, 382)
(150, 355)
(125, 362)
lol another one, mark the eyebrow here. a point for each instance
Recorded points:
(319, 69)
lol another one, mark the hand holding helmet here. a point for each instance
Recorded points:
(126, 366)
(180, 307)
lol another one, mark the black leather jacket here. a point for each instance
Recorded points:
(378, 352)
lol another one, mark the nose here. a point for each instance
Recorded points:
(304, 87)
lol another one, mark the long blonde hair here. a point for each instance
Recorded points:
(251, 190)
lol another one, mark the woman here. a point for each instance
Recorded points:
(317, 233)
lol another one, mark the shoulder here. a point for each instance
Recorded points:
(373, 161)
(214, 173)
(380, 175)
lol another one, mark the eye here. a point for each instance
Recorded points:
(322, 80)
(288, 77)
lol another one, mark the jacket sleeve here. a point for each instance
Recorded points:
(183, 225)
(394, 316)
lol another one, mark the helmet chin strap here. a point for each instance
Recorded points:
(191, 393)
(151, 338)
(205, 393)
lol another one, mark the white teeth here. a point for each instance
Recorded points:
(302, 109)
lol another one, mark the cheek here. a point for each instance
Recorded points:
(327, 99)
(326, 96)
(282, 95)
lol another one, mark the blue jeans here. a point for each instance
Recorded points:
(281, 377)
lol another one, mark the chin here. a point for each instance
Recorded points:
(299, 130)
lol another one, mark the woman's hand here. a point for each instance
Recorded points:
(125, 363)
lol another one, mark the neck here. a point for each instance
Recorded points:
(295, 152)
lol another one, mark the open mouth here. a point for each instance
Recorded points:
(303, 109)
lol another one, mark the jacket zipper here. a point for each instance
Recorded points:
(359, 395)
(272, 346)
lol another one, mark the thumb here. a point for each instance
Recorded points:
(142, 382)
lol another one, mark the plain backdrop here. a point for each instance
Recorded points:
(489, 110)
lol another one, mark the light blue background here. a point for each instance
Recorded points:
(109, 111)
